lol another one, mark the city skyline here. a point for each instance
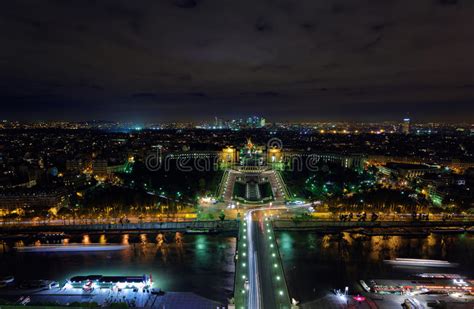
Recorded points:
(209, 119)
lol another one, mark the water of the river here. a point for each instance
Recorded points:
(204, 264)
(316, 264)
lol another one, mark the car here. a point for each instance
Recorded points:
(246, 284)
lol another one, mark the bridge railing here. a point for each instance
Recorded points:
(308, 224)
(226, 225)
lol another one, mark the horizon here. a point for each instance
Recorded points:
(268, 120)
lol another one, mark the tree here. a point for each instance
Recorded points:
(202, 185)
(64, 213)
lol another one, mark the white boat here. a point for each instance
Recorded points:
(419, 262)
(7, 279)
(201, 231)
(38, 284)
(448, 230)
(439, 276)
(72, 248)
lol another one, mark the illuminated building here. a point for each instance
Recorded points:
(99, 167)
(103, 169)
(352, 161)
(420, 285)
(274, 155)
(252, 155)
(27, 200)
(406, 126)
(74, 165)
(256, 122)
(228, 156)
(275, 158)
(407, 170)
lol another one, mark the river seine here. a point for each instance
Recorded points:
(204, 264)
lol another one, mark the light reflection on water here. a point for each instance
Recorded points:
(85, 239)
(200, 263)
(315, 263)
(125, 239)
(143, 239)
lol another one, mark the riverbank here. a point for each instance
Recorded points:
(105, 297)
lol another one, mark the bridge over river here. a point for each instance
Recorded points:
(259, 275)
(197, 226)
(225, 225)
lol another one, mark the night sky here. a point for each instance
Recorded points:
(146, 60)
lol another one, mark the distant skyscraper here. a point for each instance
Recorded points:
(256, 122)
(406, 126)
(218, 123)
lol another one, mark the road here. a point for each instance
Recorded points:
(266, 280)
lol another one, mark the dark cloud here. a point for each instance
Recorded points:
(185, 3)
(261, 94)
(283, 58)
(198, 94)
(448, 2)
(381, 26)
(308, 26)
(262, 25)
(144, 95)
(372, 43)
